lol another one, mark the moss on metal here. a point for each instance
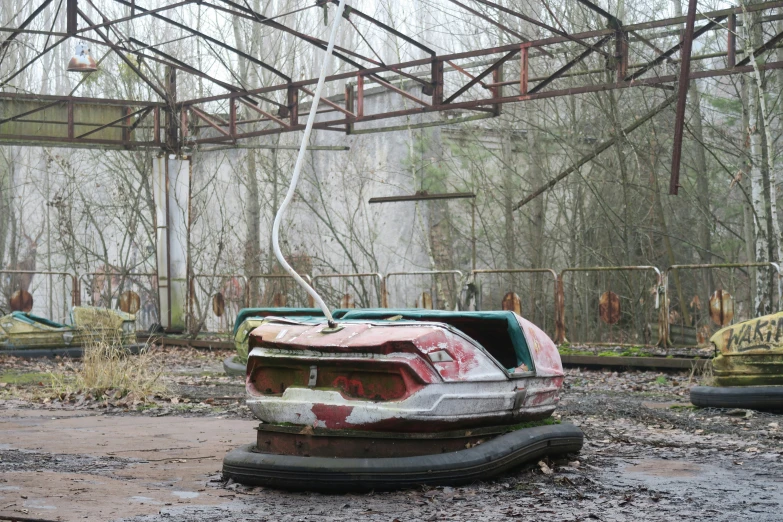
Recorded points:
(750, 353)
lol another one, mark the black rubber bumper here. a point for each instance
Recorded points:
(234, 368)
(246, 466)
(74, 352)
(762, 398)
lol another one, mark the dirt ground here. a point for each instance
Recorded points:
(648, 456)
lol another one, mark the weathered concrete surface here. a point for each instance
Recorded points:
(77, 465)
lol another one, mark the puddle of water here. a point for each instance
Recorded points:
(9, 488)
(185, 494)
(146, 500)
(37, 504)
(665, 468)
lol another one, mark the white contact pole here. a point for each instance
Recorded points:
(298, 168)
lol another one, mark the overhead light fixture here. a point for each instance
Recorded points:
(82, 61)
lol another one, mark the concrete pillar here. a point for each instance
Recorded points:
(171, 190)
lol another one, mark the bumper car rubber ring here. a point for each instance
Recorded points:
(247, 466)
(762, 398)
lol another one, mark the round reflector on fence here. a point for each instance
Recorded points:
(609, 307)
(129, 302)
(721, 307)
(21, 301)
(512, 303)
(218, 304)
(347, 301)
(426, 301)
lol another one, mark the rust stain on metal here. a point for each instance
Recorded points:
(322, 442)
(347, 301)
(279, 300)
(21, 301)
(129, 302)
(609, 307)
(218, 304)
(721, 307)
(426, 301)
(512, 303)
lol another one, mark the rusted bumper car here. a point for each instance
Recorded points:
(27, 335)
(392, 399)
(747, 367)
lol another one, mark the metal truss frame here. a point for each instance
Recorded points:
(174, 125)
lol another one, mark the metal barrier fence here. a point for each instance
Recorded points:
(626, 312)
(707, 297)
(528, 296)
(214, 301)
(131, 292)
(618, 306)
(277, 291)
(50, 298)
(353, 291)
(443, 292)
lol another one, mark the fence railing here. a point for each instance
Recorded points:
(442, 292)
(535, 307)
(361, 294)
(600, 305)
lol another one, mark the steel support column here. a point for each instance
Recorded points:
(682, 96)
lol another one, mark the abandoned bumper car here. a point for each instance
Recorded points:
(748, 367)
(27, 335)
(390, 399)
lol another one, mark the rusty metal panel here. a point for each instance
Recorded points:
(21, 301)
(129, 302)
(336, 443)
(512, 303)
(721, 307)
(44, 119)
(609, 307)
(218, 304)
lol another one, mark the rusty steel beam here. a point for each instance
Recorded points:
(18, 30)
(680, 45)
(614, 22)
(766, 46)
(481, 76)
(540, 24)
(423, 196)
(594, 153)
(71, 18)
(352, 10)
(511, 47)
(250, 14)
(209, 39)
(490, 20)
(682, 96)
(552, 77)
(122, 56)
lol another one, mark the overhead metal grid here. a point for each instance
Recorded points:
(476, 78)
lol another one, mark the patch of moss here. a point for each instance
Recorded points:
(633, 351)
(681, 407)
(565, 349)
(23, 378)
(661, 380)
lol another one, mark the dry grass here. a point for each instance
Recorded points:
(108, 368)
(701, 375)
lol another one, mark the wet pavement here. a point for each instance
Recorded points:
(647, 456)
